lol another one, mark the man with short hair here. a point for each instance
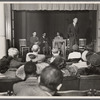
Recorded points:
(30, 79)
(50, 81)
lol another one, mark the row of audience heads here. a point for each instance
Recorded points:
(88, 56)
(51, 76)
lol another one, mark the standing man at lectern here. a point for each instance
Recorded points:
(73, 31)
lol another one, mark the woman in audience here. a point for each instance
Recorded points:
(13, 55)
(30, 78)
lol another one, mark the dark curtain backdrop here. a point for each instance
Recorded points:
(50, 22)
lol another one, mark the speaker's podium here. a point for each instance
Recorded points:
(60, 44)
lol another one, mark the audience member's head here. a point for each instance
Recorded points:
(95, 60)
(34, 34)
(75, 47)
(13, 52)
(88, 56)
(90, 47)
(51, 77)
(30, 68)
(44, 34)
(58, 34)
(75, 20)
(4, 63)
(94, 64)
(59, 62)
(55, 52)
(35, 48)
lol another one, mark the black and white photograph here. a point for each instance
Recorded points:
(49, 49)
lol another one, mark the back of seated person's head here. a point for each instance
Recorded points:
(51, 77)
(55, 52)
(4, 63)
(13, 52)
(95, 60)
(30, 68)
(88, 56)
(89, 47)
(59, 63)
(75, 47)
(35, 48)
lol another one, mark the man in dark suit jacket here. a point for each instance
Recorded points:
(73, 31)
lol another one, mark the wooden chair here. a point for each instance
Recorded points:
(75, 93)
(89, 82)
(23, 46)
(70, 83)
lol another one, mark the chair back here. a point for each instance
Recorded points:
(75, 93)
(70, 83)
(22, 42)
(82, 43)
(89, 82)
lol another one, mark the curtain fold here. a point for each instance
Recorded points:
(54, 6)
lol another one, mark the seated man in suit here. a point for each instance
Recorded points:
(30, 79)
(50, 81)
(39, 57)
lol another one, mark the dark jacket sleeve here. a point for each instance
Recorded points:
(69, 31)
